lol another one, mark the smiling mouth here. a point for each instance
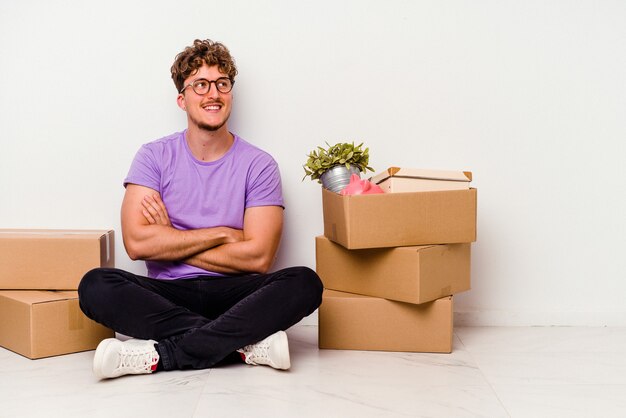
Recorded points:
(212, 107)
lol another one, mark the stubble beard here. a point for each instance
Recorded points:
(208, 127)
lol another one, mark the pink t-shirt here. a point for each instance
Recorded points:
(199, 194)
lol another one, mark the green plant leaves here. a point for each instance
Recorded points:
(347, 154)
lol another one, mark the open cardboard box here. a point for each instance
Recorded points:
(400, 180)
(400, 219)
(38, 324)
(415, 274)
(355, 322)
(52, 259)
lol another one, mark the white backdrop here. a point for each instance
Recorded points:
(528, 95)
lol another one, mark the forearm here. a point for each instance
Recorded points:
(165, 243)
(235, 258)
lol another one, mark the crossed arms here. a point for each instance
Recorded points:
(149, 235)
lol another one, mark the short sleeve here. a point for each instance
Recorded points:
(264, 185)
(144, 170)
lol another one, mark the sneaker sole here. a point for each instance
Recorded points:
(284, 351)
(98, 357)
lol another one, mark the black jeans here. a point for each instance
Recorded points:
(198, 322)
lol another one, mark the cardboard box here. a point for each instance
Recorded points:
(402, 180)
(400, 219)
(355, 322)
(415, 274)
(36, 323)
(52, 259)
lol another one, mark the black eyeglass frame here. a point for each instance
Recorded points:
(192, 85)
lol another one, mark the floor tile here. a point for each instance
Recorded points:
(457, 368)
(542, 339)
(64, 386)
(552, 368)
(353, 384)
(566, 401)
(276, 398)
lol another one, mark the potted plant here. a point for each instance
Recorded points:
(333, 166)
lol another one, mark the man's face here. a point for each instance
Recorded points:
(209, 111)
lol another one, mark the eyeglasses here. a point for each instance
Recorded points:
(202, 86)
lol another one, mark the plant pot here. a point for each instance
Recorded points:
(338, 177)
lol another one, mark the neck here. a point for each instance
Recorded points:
(209, 145)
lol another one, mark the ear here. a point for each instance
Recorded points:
(180, 101)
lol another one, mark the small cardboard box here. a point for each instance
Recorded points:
(415, 274)
(401, 180)
(400, 219)
(36, 323)
(52, 259)
(355, 322)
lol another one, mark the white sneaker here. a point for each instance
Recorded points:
(272, 351)
(115, 358)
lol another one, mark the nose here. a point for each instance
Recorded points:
(212, 89)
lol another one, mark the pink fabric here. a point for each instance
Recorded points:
(358, 186)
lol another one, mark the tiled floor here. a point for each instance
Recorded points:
(493, 372)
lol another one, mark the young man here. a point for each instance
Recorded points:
(204, 209)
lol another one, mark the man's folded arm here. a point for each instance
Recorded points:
(255, 253)
(158, 240)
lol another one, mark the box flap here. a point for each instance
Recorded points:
(448, 175)
(107, 250)
(53, 233)
(337, 294)
(38, 296)
(416, 248)
(328, 293)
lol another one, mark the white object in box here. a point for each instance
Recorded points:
(398, 180)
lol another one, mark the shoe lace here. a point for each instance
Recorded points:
(258, 351)
(138, 359)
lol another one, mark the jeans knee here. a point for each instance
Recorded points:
(87, 288)
(89, 282)
(309, 284)
(86, 283)
(92, 288)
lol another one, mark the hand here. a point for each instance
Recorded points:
(154, 210)
(233, 235)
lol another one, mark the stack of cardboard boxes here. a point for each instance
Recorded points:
(39, 274)
(391, 262)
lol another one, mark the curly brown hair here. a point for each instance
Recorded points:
(200, 53)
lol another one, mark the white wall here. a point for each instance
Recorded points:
(529, 95)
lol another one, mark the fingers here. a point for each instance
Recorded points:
(154, 210)
(150, 211)
(148, 216)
